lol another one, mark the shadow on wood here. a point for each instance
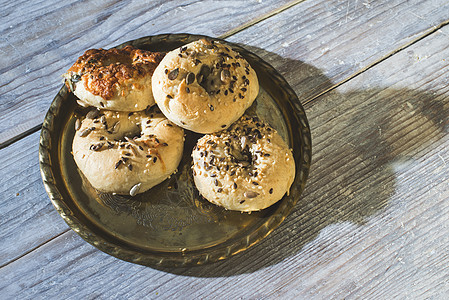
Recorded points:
(359, 138)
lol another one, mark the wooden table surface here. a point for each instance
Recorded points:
(373, 221)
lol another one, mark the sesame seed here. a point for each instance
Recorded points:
(155, 159)
(271, 191)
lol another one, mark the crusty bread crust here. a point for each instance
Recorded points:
(248, 167)
(115, 79)
(204, 86)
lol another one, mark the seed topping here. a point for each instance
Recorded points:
(135, 189)
(173, 74)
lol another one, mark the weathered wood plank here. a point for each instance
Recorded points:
(339, 38)
(27, 217)
(37, 47)
(372, 223)
(348, 38)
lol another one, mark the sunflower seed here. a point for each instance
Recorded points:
(118, 164)
(96, 147)
(77, 124)
(243, 141)
(85, 132)
(135, 189)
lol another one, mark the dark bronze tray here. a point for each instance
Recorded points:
(170, 225)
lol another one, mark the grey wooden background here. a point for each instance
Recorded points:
(373, 222)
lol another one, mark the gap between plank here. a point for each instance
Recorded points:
(226, 35)
(20, 136)
(223, 36)
(35, 248)
(259, 19)
(363, 70)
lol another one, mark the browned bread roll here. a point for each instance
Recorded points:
(126, 153)
(247, 167)
(115, 79)
(204, 86)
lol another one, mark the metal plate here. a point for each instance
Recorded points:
(170, 225)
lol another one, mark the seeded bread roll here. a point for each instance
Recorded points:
(126, 153)
(248, 167)
(204, 86)
(115, 79)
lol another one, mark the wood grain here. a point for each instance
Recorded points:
(372, 222)
(27, 217)
(339, 38)
(37, 47)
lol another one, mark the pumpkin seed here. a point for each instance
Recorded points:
(173, 74)
(190, 78)
(225, 75)
(250, 194)
(93, 114)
